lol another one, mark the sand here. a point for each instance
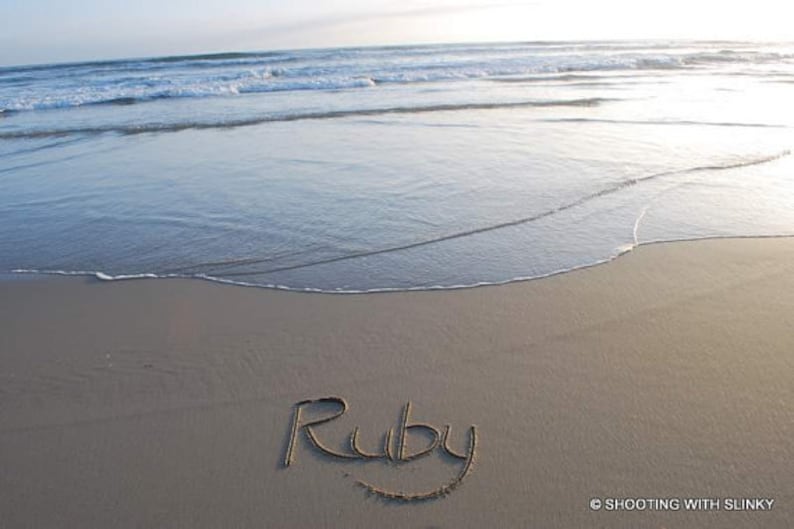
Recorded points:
(667, 373)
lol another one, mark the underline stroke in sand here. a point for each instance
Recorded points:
(395, 446)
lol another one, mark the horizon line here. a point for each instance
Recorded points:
(254, 52)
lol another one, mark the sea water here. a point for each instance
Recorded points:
(391, 168)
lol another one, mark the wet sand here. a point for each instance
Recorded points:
(666, 373)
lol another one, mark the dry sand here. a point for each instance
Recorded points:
(668, 373)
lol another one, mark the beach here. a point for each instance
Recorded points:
(663, 374)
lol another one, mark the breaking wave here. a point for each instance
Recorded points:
(297, 116)
(43, 87)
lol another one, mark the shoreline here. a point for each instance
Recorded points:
(100, 276)
(665, 373)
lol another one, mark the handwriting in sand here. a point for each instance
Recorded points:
(395, 445)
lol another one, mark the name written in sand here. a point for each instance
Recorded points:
(395, 445)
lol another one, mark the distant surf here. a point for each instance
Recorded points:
(225, 74)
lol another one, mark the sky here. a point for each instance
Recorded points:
(47, 31)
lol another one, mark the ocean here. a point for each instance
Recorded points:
(391, 168)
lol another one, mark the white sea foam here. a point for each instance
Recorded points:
(37, 88)
(102, 276)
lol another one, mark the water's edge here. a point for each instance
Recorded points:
(101, 277)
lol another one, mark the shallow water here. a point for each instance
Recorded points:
(392, 168)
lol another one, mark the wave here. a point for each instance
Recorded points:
(664, 122)
(38, 148)
(615, 254)
(484, 229)
(123, 101)
(734, 57)
(298, 116)
(120, 64)
(98, 274)
(544, 77)
(738, 50)
(248, 82)
(103, 276)
(45, 87)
